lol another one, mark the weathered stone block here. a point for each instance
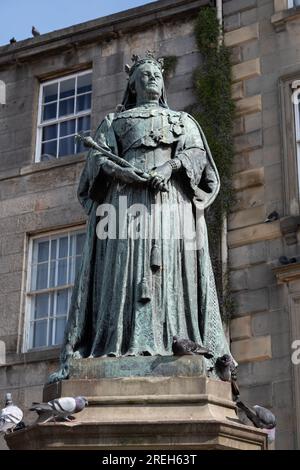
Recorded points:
(232, 22)
(254, 349)
(256, 233)
(260, 276)
(246, 217)
(246, 70)
(244, 256)
(238, 125)
(249, 17)
(246, 142)
(240, 328)
(234, 6)
(248, 179)
(251, 301)
(249, 197)
(253, 122)
(251, 104)
(258, 395)
(238, 36)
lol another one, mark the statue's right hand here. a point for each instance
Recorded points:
(124, 174)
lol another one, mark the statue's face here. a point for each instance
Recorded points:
(148, 82)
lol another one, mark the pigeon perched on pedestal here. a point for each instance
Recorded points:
(61, 408)
(186, 347)
(35, 32)
(226, 370)
(261, 417)
(10, 416)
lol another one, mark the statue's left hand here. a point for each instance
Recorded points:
(160, 176)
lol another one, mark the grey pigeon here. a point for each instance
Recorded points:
(261, 417)
(183, 347)
(10, 416)
(35, 32)
(12, 40)
(61, 408)
(227, 371)
(272, 217)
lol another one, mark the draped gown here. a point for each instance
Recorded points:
(110, 314)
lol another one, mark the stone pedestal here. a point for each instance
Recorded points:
(143, 403)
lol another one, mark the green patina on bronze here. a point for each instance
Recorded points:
(133, 295)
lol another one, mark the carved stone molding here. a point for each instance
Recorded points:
(287, 273)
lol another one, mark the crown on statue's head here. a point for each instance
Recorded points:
(148, 58)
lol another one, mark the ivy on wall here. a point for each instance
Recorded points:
(215, 113)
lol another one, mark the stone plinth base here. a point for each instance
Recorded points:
(143, 412)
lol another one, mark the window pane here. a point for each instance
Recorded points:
(49, 148)
(66, 107)
(50, 93)
(77, 264)
(67, 128)
(84, 123)
(42, 276)
(84, 83)
(66, 146)
(49, 132)
(84, 102)
(67, 88)
(39, 334)
(43, 251)
(52, 273)
(49, 111)
(59, 331)
(62, 272)
(63, 247)
(53, 249)
(62, 302)
(40, 309)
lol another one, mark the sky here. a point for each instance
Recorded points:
(18, 16)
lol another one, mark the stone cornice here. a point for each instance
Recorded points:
(281, 18)
(99, 29)
(287, 273)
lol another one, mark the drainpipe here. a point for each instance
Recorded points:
(219, 11)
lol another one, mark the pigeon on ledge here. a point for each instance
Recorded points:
(61, 408)
(186, 347)
(35, 32)
(261, 417)
(226, 370)
(10, 416)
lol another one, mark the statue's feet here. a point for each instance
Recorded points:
(60, 374)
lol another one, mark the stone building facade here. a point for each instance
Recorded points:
(41, 221)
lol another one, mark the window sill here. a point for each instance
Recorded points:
(41, 166)
(281, 18)
(288, 273)
(38, 355)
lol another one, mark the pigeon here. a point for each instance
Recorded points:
(60, 408)
(186, 347)
(10, 416)
(259, 416)
(272, 217)
(285, 260)
(12, 40)
(226, 370)
(35, 32)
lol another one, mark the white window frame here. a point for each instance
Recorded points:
(296, 102)
(57, 120)
(30, 294)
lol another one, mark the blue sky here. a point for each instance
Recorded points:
(18, 16)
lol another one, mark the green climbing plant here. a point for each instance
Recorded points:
(214, 111)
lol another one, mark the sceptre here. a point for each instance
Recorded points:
(90, 143)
